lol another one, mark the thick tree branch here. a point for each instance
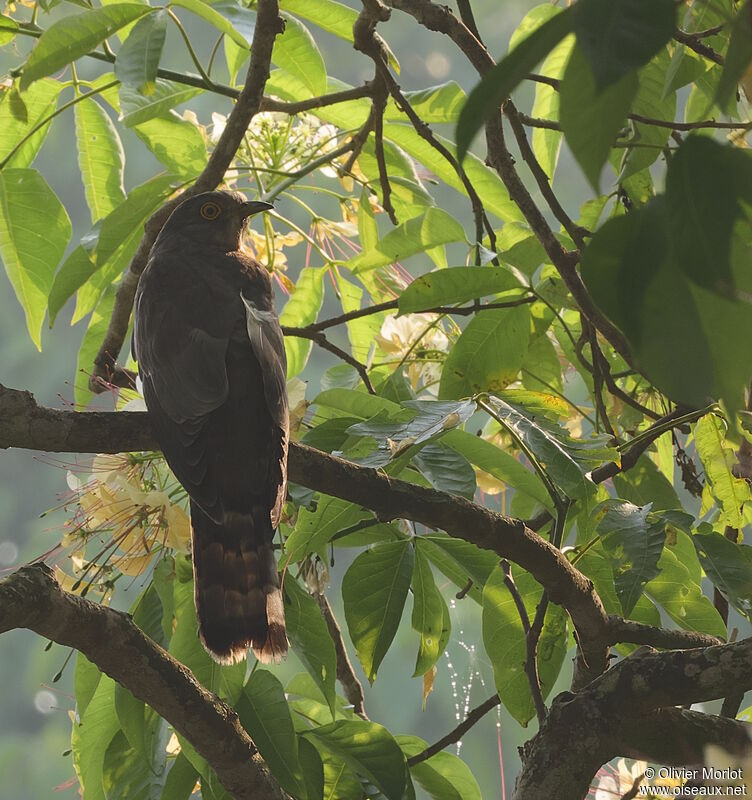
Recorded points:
(25, 424)
(268, 25)
(31, 598)
(629, 711)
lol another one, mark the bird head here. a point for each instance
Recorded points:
(214, 218)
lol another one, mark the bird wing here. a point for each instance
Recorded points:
(267, 342)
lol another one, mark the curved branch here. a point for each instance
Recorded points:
(31, 598)
(23, 423)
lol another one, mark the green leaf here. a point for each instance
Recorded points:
(497, 84)
(312, 767)
(436, 104)
(85, 681)
(591, 119)
(487, 183)
(138, 58)
(619, 36)
(180, 780)
(8, 29)
(633, 543)
(682, 598)
(374, 590)
(428, 613)
(504, 640)
(101, 158)
(455, 285)
(460, 561)
(214, 18)
(136, 108)
(130, 215)
(340, 782)
(126, 776)
(705, 184)
(34, 232)
(331, 16)
(91, 737)
(417, 235)
(296, 52)
(498, 463)
(300, 310)
(369, 750)
(314, 529)
(446, 470)
(718, 460)
(177, 143)
(74, 36)
(309, 637)
(652, 102)
(489, 353)
(444, 776)
(264, 713)
(729, 567)
(628, 271)
(738, 56)
(39, 100)
(567, 460)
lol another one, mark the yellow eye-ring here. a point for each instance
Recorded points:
(210, 211)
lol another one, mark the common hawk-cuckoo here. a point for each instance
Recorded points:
(212, 361)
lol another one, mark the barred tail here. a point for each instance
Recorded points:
(237, 592)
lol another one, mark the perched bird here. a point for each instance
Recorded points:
(212, 361)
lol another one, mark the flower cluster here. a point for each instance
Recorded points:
(128, 510)
(420, 341)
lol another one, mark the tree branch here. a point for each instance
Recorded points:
(268, 25)
(23, 423)
(31, 598)
(346, 676)
(628, 711)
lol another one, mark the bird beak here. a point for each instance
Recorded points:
(254, 207)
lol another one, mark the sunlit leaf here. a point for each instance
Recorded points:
(100, 158)
(489, 353)
(214, 18)
(72, 37)
(300, 310)
(428, 614)
(34, 232)
(296, 51)
(17, 142)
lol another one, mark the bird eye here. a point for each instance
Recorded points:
(210, 211)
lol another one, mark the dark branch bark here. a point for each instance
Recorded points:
(25, 424)
(31, 598)
(629, 711)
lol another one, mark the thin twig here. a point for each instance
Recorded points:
(346, 676)
(321, 340)
(575, 232)
(693, 43)
(456, 733)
